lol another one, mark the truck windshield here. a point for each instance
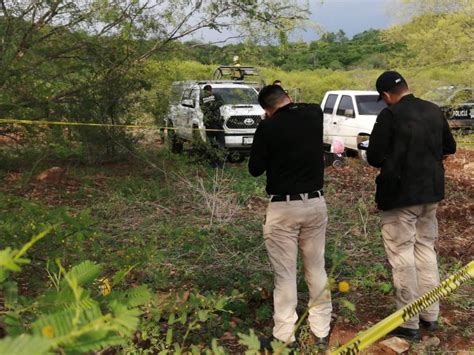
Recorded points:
(237, 96)
(368, 105)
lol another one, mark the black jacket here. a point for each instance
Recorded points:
(408, 143)
(289, 147)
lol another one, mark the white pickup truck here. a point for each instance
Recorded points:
(349, 116)
(241, 114)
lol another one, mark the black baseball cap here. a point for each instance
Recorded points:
(387, 81)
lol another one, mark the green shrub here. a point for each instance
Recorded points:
(81, 313)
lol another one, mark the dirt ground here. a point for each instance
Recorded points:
(455, 213)
(456, 231)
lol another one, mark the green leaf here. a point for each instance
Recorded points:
(218, 350)
(177, 349)
(125, 320)
(183, 318)
(10, 290)
(385, 287)
(7, 260)
(94, 341)
(133, 297)
(221, 303)
(53, 301)
(250, 341)
(279, 347)
(62, 323)
(13, 324)
(24, 345)
(3, 275)
(169, 336)
(196, 350)
(349, 305)
(203, 315)
(85, 273)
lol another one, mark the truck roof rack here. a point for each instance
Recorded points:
(202, 82)
(246, 70)
(238, 74)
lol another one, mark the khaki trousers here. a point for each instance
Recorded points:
(409, 236)
(289, 224)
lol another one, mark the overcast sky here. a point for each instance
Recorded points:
(352, 16)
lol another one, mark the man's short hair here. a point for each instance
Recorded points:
(270, 96)
(277, 82)
(207, 88)
(399, 88)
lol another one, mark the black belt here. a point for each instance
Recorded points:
(296, 197)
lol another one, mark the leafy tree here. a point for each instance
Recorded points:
(328, 37)
(83, 60)
(341, 37)
(417, 8)
(440, 34)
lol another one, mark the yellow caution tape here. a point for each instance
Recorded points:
(388, 324)
(135, 126)
(110, 125)
(90, 124)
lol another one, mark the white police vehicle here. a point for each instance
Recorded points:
(241, 114)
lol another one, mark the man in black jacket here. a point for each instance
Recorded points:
(288, 147)
(408, 142)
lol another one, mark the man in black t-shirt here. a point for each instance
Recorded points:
(288, 146)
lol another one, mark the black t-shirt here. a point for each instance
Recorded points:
(289, 147)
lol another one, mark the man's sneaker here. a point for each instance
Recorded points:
(266, 344)
(406, 333)
(431, 326)
(321, 343)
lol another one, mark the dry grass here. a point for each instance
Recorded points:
(214, 196)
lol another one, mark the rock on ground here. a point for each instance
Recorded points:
(395, 345)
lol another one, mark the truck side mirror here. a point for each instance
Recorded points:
(187, 103)
(348, 112)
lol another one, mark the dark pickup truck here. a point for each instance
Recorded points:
(457, 104)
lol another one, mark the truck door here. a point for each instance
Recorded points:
(328, 114)
(344, 121)
(184, 113)
(192, 115)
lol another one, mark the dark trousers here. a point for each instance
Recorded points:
(216, 138)
(216, 152)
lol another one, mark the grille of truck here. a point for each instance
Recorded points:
(243, 122)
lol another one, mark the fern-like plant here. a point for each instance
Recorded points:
(82, 313)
